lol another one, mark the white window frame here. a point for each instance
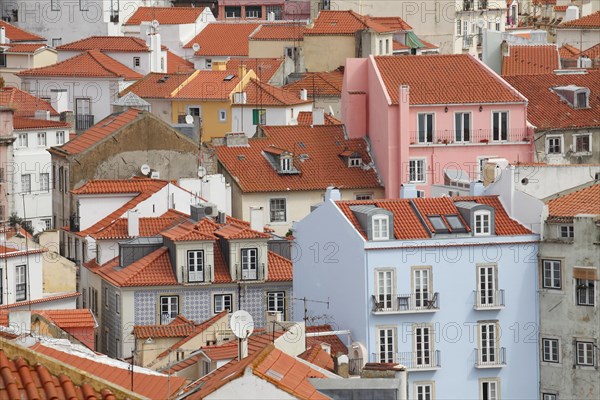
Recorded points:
(168, 310)
(424, 390)
(459, 131)
(489, 350)
(385, 287)
(48, 225)
(387, 339)
(381, 227)
(25, 183)
(195, 266)
(60, 137)
(247, 265)
(426, 128)
(566, 231)
(585, 353)
(549, 396)
(549, 272)
(497, 115)
(41, 139)
(354, 162)
(21, 279)
(421, 286)
(552, 138)
(487, 286)
(23, 140)
(222, 115)
(276, 302)
(275, 209)
(417, 170)
(480, 228)
(137, 62)
(423, 341)
(582, 135)
(44, 181)
(551, 350)
(492, 394)
(285, 163)
(220, 301)
(587, 296)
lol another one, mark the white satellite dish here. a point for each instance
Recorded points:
(242, 324)
(145, 169)
(189, 119)
(195, 47)
(155, 24)
(201, 171)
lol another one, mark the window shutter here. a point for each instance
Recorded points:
(255, 117)
(585, 273)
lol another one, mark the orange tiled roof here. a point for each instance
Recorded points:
(47, 299)
(108, 186)
(72, 318)
(175, 329)
(165, 15)
(148, 385)
(336, 344)
(15, 34)
(25, 104)
(466, 80)
(32, 123)
(234, 231)
(227, 351)
(317, 356)
(568, 52)
(323, 84)
(157, 85)
(120, 44)
(345, 23)
(305, 118)
(148, 226)
(591, 21)
(395, 23)
(262, 94)
(155, 269)
(397, 46)
(20, 380)
(288, 32)
(189, 231)
(546, 110)
(91, 64)
(176, 64)
(23, 47)
(530, 60)
(320, 169)
(209, 85)
(560, 8)
(280, 268)
(264, 68)
(434, 206)
(593, 52)
(223, 39)
(583, 201)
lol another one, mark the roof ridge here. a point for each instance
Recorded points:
(93, 54)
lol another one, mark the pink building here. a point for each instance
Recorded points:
(428, 115)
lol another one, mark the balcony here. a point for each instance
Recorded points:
(494, 357)
(83, 122)
(488, 299)
(472, 137)
(406, 303)
(166, 318)
(413, 361)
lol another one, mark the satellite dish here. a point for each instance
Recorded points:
(242, 324)
(155, 24)
(481, 23)
(195, 47)
(189, 119)
(145, 169)
(201, 171)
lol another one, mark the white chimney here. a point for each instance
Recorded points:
(2, 35)
(332, 193)
(303, 94)
(243, 348)
(571, 13)
(133, 223)
(408, 191)
(19, 321)
(476, 189)
(318, 116)
(59, 98)
(154, 43)
(256, 219)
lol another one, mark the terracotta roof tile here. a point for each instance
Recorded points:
(288, 32)
(19, 35)
(566, 51)
(185, 363)
(323, 84)
(280, 268)
(157, 85)
(176, 64)
(395, 23)
(262, 94)
(336, 344)
(547, 110)
(125, 44)
(165, 15)
(591, 21)
(47, 299)
(107, 186)
(397, 46)
(227, 351)
(223, 39)
(345, 23)
(32, 123)
(505, 225)
(23, 47)
(208, 85)
(25, 104)
(192, 231)
(560, 8)
(593, 52)
(322, 144)
(174, 329)
(318, 356)
(92, 64)
(234, 231)
(583, 201)
(305, 118)
(466, 80)
(264, 68)
(72, 318)
(531, 60)
(148, 226)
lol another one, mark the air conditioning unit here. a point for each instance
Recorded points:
(210, 210)
(155, 175)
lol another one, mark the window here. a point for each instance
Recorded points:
(117, 303)
(583, 143)
(416, 171)
(276, 302)
(423, 346)
(233, 12)
(548, 396)
(354, 162)
(386, 338)
(136, 62)
(56, 42)
(488, 351)
(421, 286)
(585, 353)
(26, 183)
(381, 227)
(566, 231)
(276, 10)
(82, 106)
(487, 285)
(253, 12)
(285, 164)
(363, 196)
(222, 302)
(499, 125)
(380, 46)
(169, 308)
(586, 292)
(387, 46)
(44, 182)
(462, 127)
(222, 115)
(259, 116)
(105, 294)
(23, 140)
(554, 145)
(249, 263)
(385, 288)
(106, 340)
(425, 128)
(195, 266)
(208, 63)
(277, 210)
(482, 223)
(423, 391)
(551, 274)
(550, 350)
(497, 26)
(489, 389)
(581, 99)
(2, 59)
(47, 222)
(20, 283)
(60, 137)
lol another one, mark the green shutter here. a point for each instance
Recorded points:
(255, 116)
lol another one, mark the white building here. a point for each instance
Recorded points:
(20, 273)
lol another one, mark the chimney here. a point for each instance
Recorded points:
(256, 219)
(59, 99)
(332, 193)
(241, 70)
(2, 35)
(340, 366)
(133, 223)
(505, 49)
(154, 43)
(20, 321)
(303, 94)
(318, 116)
(408, 191)
(477, 189)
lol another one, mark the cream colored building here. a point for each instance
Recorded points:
(17, 57)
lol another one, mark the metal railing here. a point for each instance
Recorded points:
(412, 302)
(414, 360)
(166, 318)
(486, 299)
(490, 357)
(83, 121)
(472, 136)
(21, 291)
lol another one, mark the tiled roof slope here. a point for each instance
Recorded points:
(262, 94)
(264, 68)
(324, 167)
(209, 85)
(124, 44)
(177, 65)
(591, 21)
(407, 219)
(547, 110)
(72, 318)
(148, 226)
(47, 299)
(108, 186)
(288, 32)
(19, 35)
(25, 104)
(223, 39)
(584, 201)
(165, 15)
(32, 123)
(337, 346)
(466, 80)
(24, 381)
(23, 47)
(344, 23)
(593, 52)
(157, 85)
(306, 118)
(175, 329)
(317, 356)
(91, 64)
(395, 23)
(530, 60)
(153, 386)
(323, 84)
(155, 269)
(568, 52)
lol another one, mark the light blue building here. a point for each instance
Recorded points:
(445, 286)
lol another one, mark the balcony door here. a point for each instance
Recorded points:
(387, 345)
(421, 287)
(385, 288)
(422, 346)
(487, 285)
(82, 106)
(249, 263)
(487, 339)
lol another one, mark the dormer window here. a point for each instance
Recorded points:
(482, 223)
(196, 266)
(581, 99)
(576, 96)
(354, 161)
(381, 227)
(352, 158)
(285, 163)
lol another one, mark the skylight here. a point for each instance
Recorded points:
(228, 78)
(438, 224)
(455, 223)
